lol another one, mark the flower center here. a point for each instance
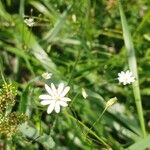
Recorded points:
(57, 98)
(126, 79)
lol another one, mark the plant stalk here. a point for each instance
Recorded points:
(133, 67)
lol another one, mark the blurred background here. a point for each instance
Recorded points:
(81, 44)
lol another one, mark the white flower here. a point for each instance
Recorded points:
(84, 94)
(29, 22)
(126, 77)
(46, 75)
(55, 97)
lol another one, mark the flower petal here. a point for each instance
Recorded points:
(124, 82)
(54, 89)
(49, 90)
(127, 72)
(65, 99)
(62, 103)
(44, 96)
(57, 108)
(51, 107)
(60, 88)
(126, 77)
(65, 91)
(46, 102)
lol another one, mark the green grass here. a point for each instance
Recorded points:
(85, 45)
(133, 67)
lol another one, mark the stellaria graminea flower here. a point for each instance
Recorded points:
(29, 22)
(55, 97)
(126, 77)
(46, 75)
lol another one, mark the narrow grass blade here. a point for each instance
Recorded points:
(30, 41)
(90, 131)
(21, 9)
(3, 13)
(141, 144)
(57, 27)
(39, 6)
(23, 105)
(30, 132)
(144, 24)
(133, 66)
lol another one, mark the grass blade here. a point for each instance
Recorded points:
(58, 25)
(133, 66)
(141, 144)
(21, 9)
(30, 41)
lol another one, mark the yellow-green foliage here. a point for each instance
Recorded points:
(7, 96)
(9, 122)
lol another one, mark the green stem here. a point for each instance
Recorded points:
(73, 69)
(138, 103)
(21, 9)
(2, 73)
(100, 116)
(88, 129)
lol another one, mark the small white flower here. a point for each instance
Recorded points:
(126, 77)
(46, 75)
(84, 94)
(55, 97)
(29, 22)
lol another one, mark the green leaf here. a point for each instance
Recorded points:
(133, 66)
(41, 8)
(29, 40)
(58, 25)
(32, 133)
(23, 105)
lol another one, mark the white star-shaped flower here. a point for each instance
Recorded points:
(55, 97)
(29, 22)
(126, 77)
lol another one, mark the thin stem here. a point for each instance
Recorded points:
(2, 74)
(100, 116)
(90, 131)
(21, 9)
(76, 62)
